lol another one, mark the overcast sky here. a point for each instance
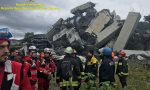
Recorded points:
(38, 21)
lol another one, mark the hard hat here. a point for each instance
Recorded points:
(69, 50)
(122, 53)
(100, 50)
(5, 34)
(47, 50)
(32, 48)
(107, 51)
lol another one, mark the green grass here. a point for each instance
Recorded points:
(138, 79)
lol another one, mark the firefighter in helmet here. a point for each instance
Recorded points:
(91, 65)
(68, 71)
(122, 68)
(107, 68)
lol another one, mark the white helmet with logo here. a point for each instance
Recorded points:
(32, 48)
(47, 50)
(69, 50)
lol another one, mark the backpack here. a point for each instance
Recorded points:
(66, 69)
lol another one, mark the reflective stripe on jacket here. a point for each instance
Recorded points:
(68, 83)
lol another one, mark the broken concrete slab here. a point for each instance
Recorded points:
(111, 43)
(99, 22)
(127, 30)
(88, 26)
(107, 34)
(82, 8)
(115, 16)
(60, 34)
(55, 29)
(71, 35)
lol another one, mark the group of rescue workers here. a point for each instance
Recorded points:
(36, 69)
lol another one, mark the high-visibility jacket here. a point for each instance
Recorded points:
(33, 79)
(42, 70)
(73, 81)
(34, 74)
(14, 77)
(91, 66)
(52, 65)
(122, 67)
(93, 60)
(69, 82)
(27, 74)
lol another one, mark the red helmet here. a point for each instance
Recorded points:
(26, 58)
(122, 53)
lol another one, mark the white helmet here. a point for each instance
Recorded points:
(47, 50)
(69, 50)
(32, 48)
(100, 50)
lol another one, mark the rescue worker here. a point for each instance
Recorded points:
(91, 64)
(80, 65)
(78, 60)
(47, 55)
(43, 72)
(53, 56)
(122, 68)
(32, 72)
(107, 68)
(27, 68)
(50, 60)
(113, 55)
(52, 63)
(11, 73)
(34, 78)
(68, 71)
(101, 52)
(14, 54)
(32, 52)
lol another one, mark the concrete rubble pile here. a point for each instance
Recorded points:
(89, 27)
